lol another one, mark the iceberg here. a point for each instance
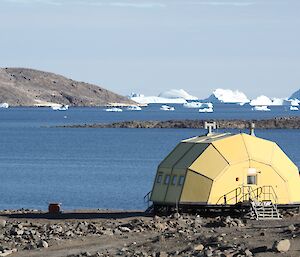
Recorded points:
(60, 107)
(157, 100)
(197, 105)
(266, 101)
(209, 109)
(263, 108)
(114, 110)
(135, 95)
(173, 96)
(294, 108)
(177, 93)
(227, 96)
(134, 108)
(167, 108)
(4, 105)
(294, 102)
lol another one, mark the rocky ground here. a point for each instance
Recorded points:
(97, 233)
(275, 123)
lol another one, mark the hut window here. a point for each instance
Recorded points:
(159, 179)
(181, 180)
(252, 180)
(167, 179)
(174, 179)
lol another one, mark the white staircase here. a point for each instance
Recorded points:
(265, 210)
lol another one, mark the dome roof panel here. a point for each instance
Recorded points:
(259, 149)
(232, 148)
(210, 163)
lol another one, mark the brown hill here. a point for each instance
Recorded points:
(28, 87)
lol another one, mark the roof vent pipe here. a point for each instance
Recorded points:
(252, 127)
(210, 126)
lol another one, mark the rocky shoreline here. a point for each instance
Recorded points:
(31, 233)
(275, 123)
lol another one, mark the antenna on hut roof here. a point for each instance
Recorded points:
(210, 126)
(252, 127)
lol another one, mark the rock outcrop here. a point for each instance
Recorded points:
(276, 123)
(28, 87)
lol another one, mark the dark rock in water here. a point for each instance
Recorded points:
(275, 123)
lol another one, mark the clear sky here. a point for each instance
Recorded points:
(149, 46)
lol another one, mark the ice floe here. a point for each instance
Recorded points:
(197, 105)
(115, 109)
(4, 105)
(209, 109)
(294, 108)
(134, 108)
(167, 108)
(60, 107)
(263, 108)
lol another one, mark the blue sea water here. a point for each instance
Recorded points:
(98, 168)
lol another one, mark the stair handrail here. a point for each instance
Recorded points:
(272, 193)
(147, 198)
(237, 192)
(251, 194)
(264, 192)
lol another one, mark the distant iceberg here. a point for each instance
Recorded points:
(263, 108)
(294, 102)
(167, 108)
(173, 96)
(60, 107)
(266, 101)
(197, 105)
(114, 109)
(4, 105)
(227, 96)
(177, 93)
(294, 108)
(134, 108)
(209, 109)
(157, 100)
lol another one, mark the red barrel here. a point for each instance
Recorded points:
(54, 208)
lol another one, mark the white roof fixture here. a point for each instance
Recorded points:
(252, 127)
(252, 171)
(210, 126)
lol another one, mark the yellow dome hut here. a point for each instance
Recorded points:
(225, 170)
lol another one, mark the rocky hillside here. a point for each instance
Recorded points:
(28, 87)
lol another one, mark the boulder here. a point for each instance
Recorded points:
(282, 246)
(291, 228)
(198, 247)
(124, 229)
(43, 244)
(2, 223)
